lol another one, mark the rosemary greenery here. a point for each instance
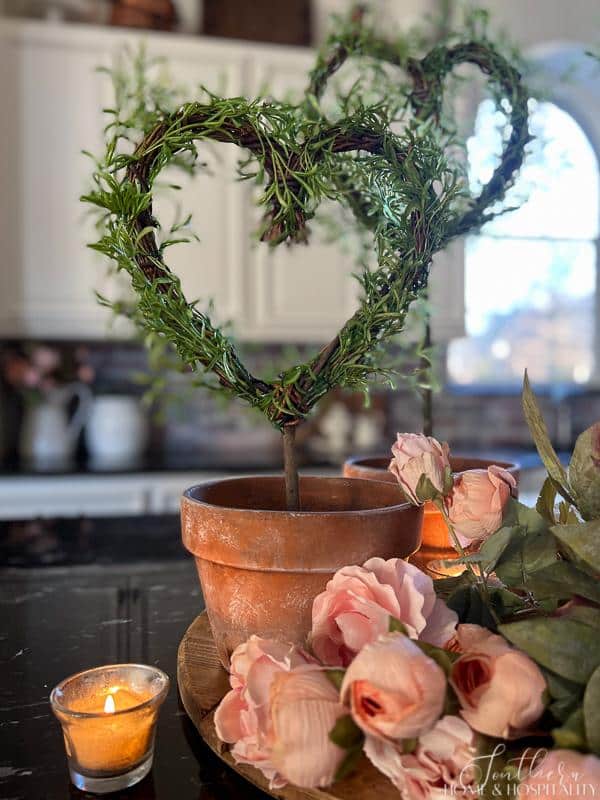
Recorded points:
(401, 186)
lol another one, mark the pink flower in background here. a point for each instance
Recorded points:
(476, 505)
(563, 773)
(415, 455)
(500, 689)
(356, 606)
(243, 716)
(441, 765)
(19, 373)
(304, 707)
(85, 373)
(46, 359)
(393, 689)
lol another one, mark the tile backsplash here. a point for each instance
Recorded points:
(196, 421)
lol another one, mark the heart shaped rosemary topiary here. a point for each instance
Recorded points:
(400, 185)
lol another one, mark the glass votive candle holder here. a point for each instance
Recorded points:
(108, 717)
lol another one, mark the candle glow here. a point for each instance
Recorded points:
(109, 705)
(108, 725)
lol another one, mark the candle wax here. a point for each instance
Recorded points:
(109, 742)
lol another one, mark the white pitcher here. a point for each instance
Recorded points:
(116, 432)
(48, 437)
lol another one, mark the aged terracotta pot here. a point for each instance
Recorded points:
(260, 566)
(435, 543)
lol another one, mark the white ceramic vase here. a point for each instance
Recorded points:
(116, 432)
(48, 437)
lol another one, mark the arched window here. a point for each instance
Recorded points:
(530, 276)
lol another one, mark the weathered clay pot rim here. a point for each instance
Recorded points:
(376, 510)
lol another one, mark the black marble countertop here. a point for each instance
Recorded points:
(81, 593)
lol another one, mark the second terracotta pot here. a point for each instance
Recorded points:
(435, 543)
(261, 566)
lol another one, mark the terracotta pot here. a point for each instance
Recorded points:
(261, 566)
(436, 542)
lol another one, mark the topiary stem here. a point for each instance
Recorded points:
(290, 467)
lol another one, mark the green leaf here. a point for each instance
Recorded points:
(529, 546)
(346, 733)
(349, 764)
(561, 581)
(584, 473)
(591, 712)
(395, 626)
(566, 514)
(566, 696)
(587, 615)
(581, 543)
(425, 490)
(336, 676)
(445, 587)
(539, 433)
(409, 745)
(566, 646)
(470, 607)
(504, 602)
(571, 735)
(448, 480)
(546, 501)
(492, 549)
(442, 658)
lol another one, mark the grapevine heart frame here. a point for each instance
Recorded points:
(398, 185)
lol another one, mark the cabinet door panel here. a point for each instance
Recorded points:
(301, 293)
(297, 293)
(209, 269)
(59, 115)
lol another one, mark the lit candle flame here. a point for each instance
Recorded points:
(109, 705)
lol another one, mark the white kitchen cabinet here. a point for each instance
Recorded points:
(52, 98)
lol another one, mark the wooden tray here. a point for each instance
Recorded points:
(203, 682)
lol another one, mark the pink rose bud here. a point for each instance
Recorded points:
(562, 773)
(243, 716)
(476, 505)
(442, 764)
(394, 690)
(500, 689)
(415, 455)
(357, 604)
(304, 707)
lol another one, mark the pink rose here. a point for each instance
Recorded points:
(441, 766)
(415, 455)
(356, 606)
(476, 505)
(500, 689)
(305, 706)
(243, 716)
(394, 690)
(563, 773)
